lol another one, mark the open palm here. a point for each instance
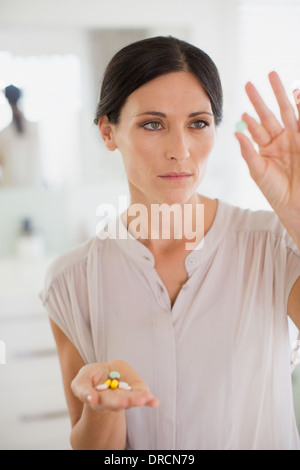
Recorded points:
(275, 164)
(90, 375)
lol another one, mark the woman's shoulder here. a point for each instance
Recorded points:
(249, 221)
(71, 261)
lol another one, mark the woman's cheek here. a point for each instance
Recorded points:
(204, 148)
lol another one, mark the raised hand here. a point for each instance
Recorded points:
(275, 164)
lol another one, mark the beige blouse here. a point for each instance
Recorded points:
(219, 360)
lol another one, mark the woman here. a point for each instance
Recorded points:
(20, 163)
(199, 333)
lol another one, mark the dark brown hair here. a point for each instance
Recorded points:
(142, 61)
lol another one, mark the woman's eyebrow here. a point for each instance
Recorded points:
(158, 113)
(200, 112)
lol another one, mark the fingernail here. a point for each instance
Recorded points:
(296, 94)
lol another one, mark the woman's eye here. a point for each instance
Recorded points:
(199, 124)
(156, 125)
(152, 126)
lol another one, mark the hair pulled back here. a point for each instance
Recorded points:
(142, 61)
(13, 94)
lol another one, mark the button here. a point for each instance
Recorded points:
(191, 261)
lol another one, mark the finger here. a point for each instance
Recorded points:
(116, 400)
(286, 109)
(266, 116)
(296, 95)
(254, 161)
(111, 400)
(257, 131)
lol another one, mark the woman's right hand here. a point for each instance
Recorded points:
(91, 375)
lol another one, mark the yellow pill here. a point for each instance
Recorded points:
(108, 382)
(114, 384)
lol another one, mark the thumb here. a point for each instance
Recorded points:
(82, 385)
(82, 389)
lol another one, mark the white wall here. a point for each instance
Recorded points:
(94, 30)
(34, 27)
(96, 14)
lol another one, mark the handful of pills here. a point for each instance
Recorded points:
(113, 382)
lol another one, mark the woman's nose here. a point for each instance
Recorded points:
(177, 146)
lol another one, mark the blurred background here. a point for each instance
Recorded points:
(55, 170)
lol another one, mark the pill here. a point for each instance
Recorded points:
(241, 126)
(114, 375)
(101, 387)
(108, 382)
(124, 386)
(114, 384)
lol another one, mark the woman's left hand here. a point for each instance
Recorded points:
(275, 165)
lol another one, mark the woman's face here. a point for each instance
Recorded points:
(165, 134)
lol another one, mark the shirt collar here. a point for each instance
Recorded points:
(140, 253)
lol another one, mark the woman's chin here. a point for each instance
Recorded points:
(177, 197)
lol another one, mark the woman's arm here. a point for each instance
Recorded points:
(90, 429)
(275, 164)
(294, 304)
(97, 418)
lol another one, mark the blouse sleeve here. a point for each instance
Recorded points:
(65, 298)
(292, 266)
(292, 274)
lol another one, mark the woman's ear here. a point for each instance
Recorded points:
(107, 133)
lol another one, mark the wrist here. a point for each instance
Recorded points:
(292, 224)
(99, 430)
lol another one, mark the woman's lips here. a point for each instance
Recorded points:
(172, 176)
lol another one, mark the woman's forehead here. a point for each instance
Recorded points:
(167, 92)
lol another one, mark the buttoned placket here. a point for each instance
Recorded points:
(164, 336)
(165, 341)
(166, 351)
(165, 355)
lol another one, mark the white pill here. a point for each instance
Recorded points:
(124, 386)
(101, 387)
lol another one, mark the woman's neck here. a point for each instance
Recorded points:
(167, 228)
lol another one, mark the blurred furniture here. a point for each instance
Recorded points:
(33, 412)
